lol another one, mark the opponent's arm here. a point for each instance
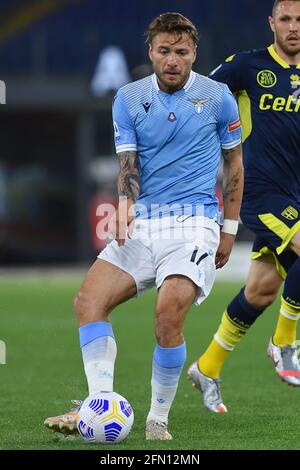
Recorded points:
(129, 189)
(233, 184)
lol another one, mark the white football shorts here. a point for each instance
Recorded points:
(158, 248)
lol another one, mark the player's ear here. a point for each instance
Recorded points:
(150, 52)
(271, 22)
(195, 54)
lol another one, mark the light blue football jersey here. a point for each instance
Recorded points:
(178, 138)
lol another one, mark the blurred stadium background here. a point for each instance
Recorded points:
(61, 61)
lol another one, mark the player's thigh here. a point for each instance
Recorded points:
(176, 295)
(295, 243)
(189, 252)
(104, 287)
(263, 279)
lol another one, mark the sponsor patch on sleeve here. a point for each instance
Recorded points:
(233, 126)
(116, 132)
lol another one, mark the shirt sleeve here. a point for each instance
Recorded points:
(232, 72)
(229, 125)
(124, 132)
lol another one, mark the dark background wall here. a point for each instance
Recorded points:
(56, 153)
(64, 37)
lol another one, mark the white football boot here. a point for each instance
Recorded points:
(157, 431)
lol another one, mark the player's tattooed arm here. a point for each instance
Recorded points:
(232, 197)
(233, 182)
(129, 178)
(122, 222)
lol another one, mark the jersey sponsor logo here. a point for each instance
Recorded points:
(266, 78)
(295, 80)
(233, 126)
(199, 104)
(290, 104)
(172, 117)
(290, 213)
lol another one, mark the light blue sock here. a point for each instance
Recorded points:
(166, 370)
(99, 352)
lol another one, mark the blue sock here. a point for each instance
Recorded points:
(166, 370)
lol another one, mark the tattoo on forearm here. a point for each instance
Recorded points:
(129, 179)
(233, 173)
(228, 152)
(232, 186)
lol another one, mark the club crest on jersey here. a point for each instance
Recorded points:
(266, 78)
(199, 104)
(172, 117)
(290, 213)
(295, 80)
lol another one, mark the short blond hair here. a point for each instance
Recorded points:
(172, 23)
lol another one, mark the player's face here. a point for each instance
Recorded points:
(172, 58)
(285, 24)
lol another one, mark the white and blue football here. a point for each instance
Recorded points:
(105, 417)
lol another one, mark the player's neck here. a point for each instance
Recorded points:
(289, 59)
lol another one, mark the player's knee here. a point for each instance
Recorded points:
(87, 310)
(79, 307)
(260, 299)
(295, 243)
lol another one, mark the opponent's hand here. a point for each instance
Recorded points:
(224, 249)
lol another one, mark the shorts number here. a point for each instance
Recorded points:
(194, 255)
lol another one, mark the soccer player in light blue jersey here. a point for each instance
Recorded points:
(170, 131)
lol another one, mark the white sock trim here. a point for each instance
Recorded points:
(161, 401)
(289, 316)
(221, 343)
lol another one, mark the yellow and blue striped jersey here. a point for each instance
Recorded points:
(268, 93)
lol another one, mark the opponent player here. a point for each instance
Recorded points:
(170, 128)
(267, 85)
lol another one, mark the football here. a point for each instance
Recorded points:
(105, 417)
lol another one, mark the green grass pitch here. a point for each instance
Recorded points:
(44, 371)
